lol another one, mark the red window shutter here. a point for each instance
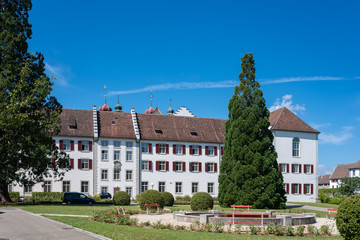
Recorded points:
(167, 165)
(287, 168)
(190, 149)
(150, 165)
(183, 166)
(200, 150)
(304, 188)
(292, 188)
(215, 151)
(157, 148)
(312, 188)
(299, 168)
(280, 166)
(79, 163)
(72, 163)
(183, 149)
(215, 167)
(61, 163)
(174, 166)
(206, 150)
(287, 188)
(90, 163)
(167, 148)
(299, 188)
(305, 168)
(150, 148)
(312, 168)
(79, 145)
(199, 166)
(157, 165)
(54, 144)
(61, 146)
(72, 145)
(292, 168)
(206, 167)
(222, 151)
(174, 149)
(53, 163)
(190, 167)
(90, 146)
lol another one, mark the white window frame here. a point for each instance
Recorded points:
(129, 144)
(129, 175)
(117, 155)
(195, 149)
(128, 190)
(144, 186)
(177, 168)
(85, 145)
(104, 143)
(47, 186)
(296, 147)
(104, 155)
(145, 147)
(211, 150)
(84, 164)
(162, 148)
(283, 167)
(66, 145)
(194, 187)
(145, 165)
(210, 185)
(298, 168)
(308, 168)
(27, 188)
(66, 187)
(117, 144)
(104, 189)
(296, 187)
(178, 187)
(307, 189)
(178, 149)
(84, 185)
(104, 174)
(162, 186)
(211, 167)
(129, 156)
(195, 166)
(162, 165)
(116, 174)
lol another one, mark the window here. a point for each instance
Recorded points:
(128, 155)
(178, 187)
(178, 166)
(27, 188)
(84, 145)
(84, 186)
(146, 148)
(161, 186)
(84, 163)
(128, 190)
(193, 133)
(144, 186)
(104, 189)
(66, 186)
(194, 150)
(194, 187)
(161, 166)
(129, 144)
(307, 169)
(117, 144)
(211, 188)
(47, 186)
(145, 165)
(162, 148)
(66, 145)
(308, 189)
(104, 155)
(104, 143)
(296, 147)
(104, 174)
(353, 172)
(178, 149)
(116, 174)
(210, 167)
(116, 155)
(10, 188)
(284, 167)
(296, 188)
(128, 175)
(195, 167)
(210, 151)
(296, 168)
(158, 131)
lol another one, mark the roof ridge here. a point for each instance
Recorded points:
(282, 110)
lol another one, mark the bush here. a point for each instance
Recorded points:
(324, 198)
(168, 199)
(15, 196)
(47, 197)
(347, 218)
(112, 216)
(336, 201)
(151, 197)
(121, 198)
(201, 201)
(96, 197)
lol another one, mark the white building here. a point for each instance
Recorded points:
(343, 171)
(133, 152)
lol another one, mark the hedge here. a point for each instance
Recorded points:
(347, 218)
(15, 196)
(47, 197)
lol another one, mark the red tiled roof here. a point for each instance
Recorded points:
(342, 170)
(284, 119)
(324, 179)
(76, 123)
(116, 125)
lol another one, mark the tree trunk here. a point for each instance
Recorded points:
(4, 193)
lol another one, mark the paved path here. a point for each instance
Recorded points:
(293, 205)
(18, 224)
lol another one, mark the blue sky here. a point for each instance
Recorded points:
(307, 58)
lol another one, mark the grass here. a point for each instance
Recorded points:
(323, 205)
(126, 232)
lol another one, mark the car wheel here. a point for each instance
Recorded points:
(90, 203)
(68, 203)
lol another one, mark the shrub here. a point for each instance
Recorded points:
(336, 201)
(347, 218)
(300, 231)
(112, 216)
(15, 196)
(47, 197)
(324, 198)
(201, 201)
(325, 230)
(96, 197)
(168, 199)
(151, 197)
(121, 198)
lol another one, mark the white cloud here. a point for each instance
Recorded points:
(300, 79)
(59, 73)
(180, 86)
(336, 139)
(325, 169)
(288, 103)
(320, 125)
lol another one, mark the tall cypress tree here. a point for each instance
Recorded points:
(28, 115)
(249, 172)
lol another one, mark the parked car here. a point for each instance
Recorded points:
(77, 198)
(105, 195)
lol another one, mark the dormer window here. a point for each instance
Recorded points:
(72, 127)
(113, 122)
(193, 133)
(158, 131)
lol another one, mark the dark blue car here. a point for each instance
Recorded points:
(77, 198)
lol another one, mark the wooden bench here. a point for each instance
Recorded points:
(249, 223)
(148, 206)
(331, 212)
(241, 206)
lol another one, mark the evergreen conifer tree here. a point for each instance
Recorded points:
(249, 172)
(28, 115)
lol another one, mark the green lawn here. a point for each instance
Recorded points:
(324, 205)
(125, 232)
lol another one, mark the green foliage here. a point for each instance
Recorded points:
(249, 172)
(328, 191)
(347, 218)
(168, 199)
(201, 201)
(121, 198)
(336, 201)
(183, 200)
(112, 216)
(151, 197)
(324, 198)
(29, 116)
(47, 197)
(15, 196)
(96, 197)
(349, 186)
